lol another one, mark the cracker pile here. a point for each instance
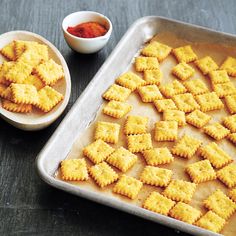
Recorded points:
(182, 102)
(27, 77)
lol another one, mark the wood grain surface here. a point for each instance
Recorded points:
(28, 206)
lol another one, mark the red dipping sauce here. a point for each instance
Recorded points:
(87, 30)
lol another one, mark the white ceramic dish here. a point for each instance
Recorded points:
(37, 120)
(84, 111)
(86, 45)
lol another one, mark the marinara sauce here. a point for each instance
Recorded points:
(87, 30)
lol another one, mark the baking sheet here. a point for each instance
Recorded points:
(89, 190)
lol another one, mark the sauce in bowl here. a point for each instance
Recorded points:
(87, 30)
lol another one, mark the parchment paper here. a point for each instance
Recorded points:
(218, 53)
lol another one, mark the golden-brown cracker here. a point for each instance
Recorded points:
(166, 131)
(34, 80)
(230, 123)
(180, 190)
(164, 104)
(122, 159)
(5, 92)
(173, 88)
(20, 108)
(146, 63)
(107, 131)
(219, 76)
(206, 64)
(183, 71)
(224, 89)
(139, 142)
(103, 174)
(116, 109)
(230, 102)
(175, 115)
(149, 93)
(21, 45)
(152, 76)
(230, 66)
(158, 203)
(97, 151)
(117, 93)
(6, 65)
(217, 156)
(219, 203)
(201, 171)
(216, 131)
(8, 51)
(30, 58)
(232, 138)
(196, 86)
(128, 186)
(184, 54)
(232, 194)
(48, 98)
(24, 93)
(211, 221)
(49, 72)
(156, 49)
(227, 175)
(74, 170)
(185, 102)
(158, 156)
(184, 212)
(156, 176)
(198, 118)
(130, 80)
(209, 102)
(18, 72)
(136, 125)
(186, 147)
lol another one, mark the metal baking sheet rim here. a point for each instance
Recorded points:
(108, 201)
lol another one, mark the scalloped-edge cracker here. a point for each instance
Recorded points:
(156, 49)
(24, 93)
(230, 66)
(166, 131)
(146, 63)
(165, 104)
(98, 151)
(217, 156)
(14, 107)
(221, 204)
(156, 176)
(122, 159)
(130, 80)
(149, 93)
(74, 170)
(158, 203)
(201, 171)
(49, 72)
(103, 174)
(48, 98)
(227, 175)
(117, 93)
(211, 221)
(184, 54)
(183, 71)
(185, 212)
(206, 64)
(116, 109)
(128, 186)
(198, 118)
(158, 156)
(152, 76)
(139, 142)
(136, 125)
(196, 86)
(216, 131)
(172, 88)
(107, 131)
(180, 190)
(8, 51)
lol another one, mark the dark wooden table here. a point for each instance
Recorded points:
(28, 206)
